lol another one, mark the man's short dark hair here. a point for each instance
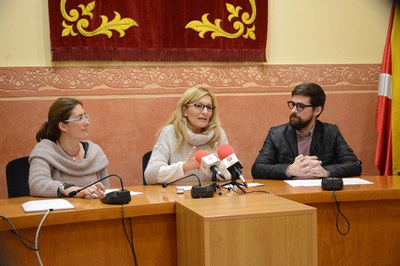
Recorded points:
(312, 90)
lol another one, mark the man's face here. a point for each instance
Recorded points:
(301, 119)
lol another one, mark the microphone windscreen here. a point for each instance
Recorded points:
(224, 151)
(200, 154)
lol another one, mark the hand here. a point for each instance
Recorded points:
(306, 167)
(319, 171)
(216, 146)
(190, 162)
(96, 191)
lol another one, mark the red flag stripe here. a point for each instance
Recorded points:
(387, 53)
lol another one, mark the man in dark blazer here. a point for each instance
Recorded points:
(305, 147)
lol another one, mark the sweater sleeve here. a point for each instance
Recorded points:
(159, 170)
(40, 182)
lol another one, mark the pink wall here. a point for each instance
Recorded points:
(128, 105)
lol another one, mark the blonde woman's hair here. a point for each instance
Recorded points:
(180, 122)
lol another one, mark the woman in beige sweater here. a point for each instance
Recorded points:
(193, 126)
(63, 161)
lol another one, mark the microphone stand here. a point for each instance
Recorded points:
(114, 197)
(214, 181)
(234, 183)
(198, 191)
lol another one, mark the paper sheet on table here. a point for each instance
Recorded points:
(186, 188)
(133, 193)
(317, 182)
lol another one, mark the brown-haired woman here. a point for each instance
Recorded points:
(63, 160)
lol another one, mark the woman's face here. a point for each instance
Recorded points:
(77, 124)
(199, 113)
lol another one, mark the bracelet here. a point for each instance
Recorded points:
(61, 188)
(60, 191)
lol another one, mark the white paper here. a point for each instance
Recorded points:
(254, 184)
(186, 188)
(44, 205)
(317, 182)
(133, 193)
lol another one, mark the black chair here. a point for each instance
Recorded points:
(17, 175)
(145, 161)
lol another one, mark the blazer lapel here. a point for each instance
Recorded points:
(317, 138)
(291, 139)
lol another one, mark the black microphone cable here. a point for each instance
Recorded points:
(130, 240)
(165, 184)
(74, 192)
(23, 239)
(257, 191)
(339, 211)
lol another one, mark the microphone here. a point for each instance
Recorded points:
(231, 162)
(197, 191)
(336, 183)
(114, 197)
(209, 163)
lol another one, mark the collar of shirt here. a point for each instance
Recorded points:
(304, 136)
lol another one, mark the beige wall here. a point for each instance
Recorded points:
(320, 41)
(300, 32)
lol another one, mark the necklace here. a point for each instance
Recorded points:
(73, 157)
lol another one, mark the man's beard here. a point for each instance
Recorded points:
(299, 124)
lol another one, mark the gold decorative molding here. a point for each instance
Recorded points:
(153, 80)
(106, 27)
(216, 30)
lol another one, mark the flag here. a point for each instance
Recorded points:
(396, 89)
(387, 157)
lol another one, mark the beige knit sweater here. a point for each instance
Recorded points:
(166, 163)
(51, 167)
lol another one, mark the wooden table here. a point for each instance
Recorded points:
(372, 210)
(92, 232)
(243, 230)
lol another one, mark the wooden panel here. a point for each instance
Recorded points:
(372, 210)
(96, 243)
(374, 235)
(255, 230)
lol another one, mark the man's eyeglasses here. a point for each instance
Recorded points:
(78, 119)
(200, 107)
(299, 106)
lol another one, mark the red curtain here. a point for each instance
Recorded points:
(158, 30)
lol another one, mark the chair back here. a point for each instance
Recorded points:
(145, 161)
(17, 175)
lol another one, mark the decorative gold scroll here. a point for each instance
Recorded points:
(106, 27)
(205, 25)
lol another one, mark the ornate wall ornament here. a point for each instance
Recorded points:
(106, 27)
(205, 25)
(162, 80)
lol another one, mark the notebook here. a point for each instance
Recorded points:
(44, 205)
